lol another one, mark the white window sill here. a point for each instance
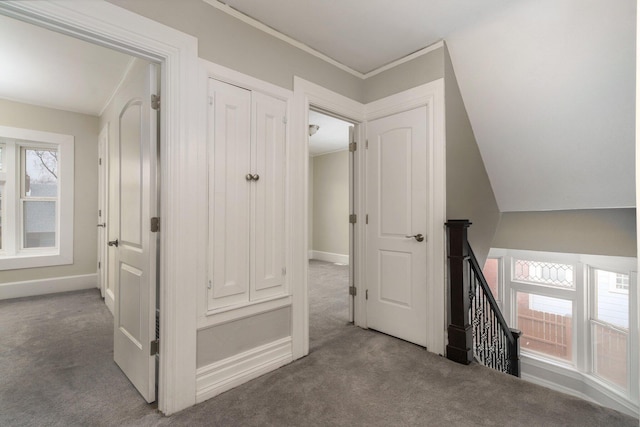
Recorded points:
(32, 260)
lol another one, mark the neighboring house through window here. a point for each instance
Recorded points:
(36, 198)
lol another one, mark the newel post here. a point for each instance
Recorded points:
(460, 346)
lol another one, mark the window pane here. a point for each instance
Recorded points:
(612, 298)
(546, 325)
(610, 354)
(41, 173)
(39, 224)
(546, 273)
(490, 272)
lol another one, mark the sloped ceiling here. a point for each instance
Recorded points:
(42, 67)
(548, 84)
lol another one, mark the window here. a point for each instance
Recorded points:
(36, 198)
(577, 316)
(546, 325)
(609, 323)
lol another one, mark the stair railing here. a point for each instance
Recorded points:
(477, 327)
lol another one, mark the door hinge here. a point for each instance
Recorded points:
(100, 162)
(154, 347)
(100, 212)
(155, 224)
(155, 102)
(353, 146)
(353, 218)
(366, 294)
(211, 100)
(366, 145)
(99, 265)
(366, 219)
(284, 271)
(284, 120)
(353, 291)
(209, 285)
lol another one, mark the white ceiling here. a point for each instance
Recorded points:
(42, 67)
(548, 84)
(333, 134)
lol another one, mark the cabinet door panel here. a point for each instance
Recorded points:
(229, 194)
(268, 232)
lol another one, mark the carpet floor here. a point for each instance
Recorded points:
(56, 369)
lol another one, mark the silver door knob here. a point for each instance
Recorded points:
(418, 237)
(113, 243)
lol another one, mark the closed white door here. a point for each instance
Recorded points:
(268, 216)
(396, 240)
(230, 182)
(135, 253)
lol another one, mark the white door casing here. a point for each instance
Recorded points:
(136, 250)
(397, 209)
(103, 180)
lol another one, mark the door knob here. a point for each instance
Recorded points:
(418, 237)
(113, 243)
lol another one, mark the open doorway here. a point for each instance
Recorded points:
(99, 101)
(330, 235)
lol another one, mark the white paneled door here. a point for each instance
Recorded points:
(396, 232)
(135, 247)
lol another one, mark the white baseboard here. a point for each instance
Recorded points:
(330, 257)
(226, 374)
(47, 286)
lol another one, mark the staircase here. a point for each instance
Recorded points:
(477, 328)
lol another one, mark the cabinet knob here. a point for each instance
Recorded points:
(256, 177)
(249, 177)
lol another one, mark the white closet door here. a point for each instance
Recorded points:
(229, 194)
(267, 227)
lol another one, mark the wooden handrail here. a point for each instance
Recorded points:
(490, 339)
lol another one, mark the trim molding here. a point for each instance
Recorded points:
(311, 51)
(29, 288)
(330, 257)
(218, 377)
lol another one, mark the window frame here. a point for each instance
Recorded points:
(13, 255)
(583, 298)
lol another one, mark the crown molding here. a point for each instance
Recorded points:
(223, 7)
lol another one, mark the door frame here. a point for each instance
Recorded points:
(112, 26)
(308, 94)
(430, 95)
(103, 212)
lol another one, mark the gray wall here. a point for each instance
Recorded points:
(227, 41)
(331, 203)
(85, 130)
(424, 69)
(241, 335)
(594, 231)
(469, 192)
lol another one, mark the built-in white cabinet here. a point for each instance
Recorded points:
(246, 178)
